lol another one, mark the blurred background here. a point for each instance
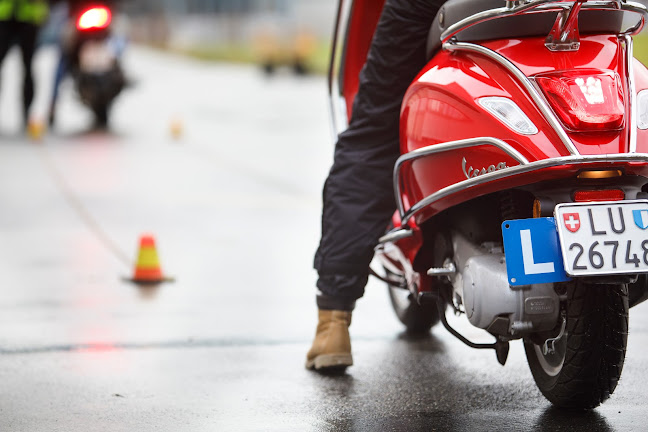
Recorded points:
(218, 146)
(272, 33)
(293, 33)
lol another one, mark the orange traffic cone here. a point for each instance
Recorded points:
(176, 128)
(35, 129)
(147, 268)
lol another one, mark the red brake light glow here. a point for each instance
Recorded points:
(599, 195)
(585, 100)
(95, 18)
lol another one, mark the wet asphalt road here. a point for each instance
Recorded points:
(234, 205)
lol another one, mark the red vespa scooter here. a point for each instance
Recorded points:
(523, 182)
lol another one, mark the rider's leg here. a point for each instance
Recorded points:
(27, 42)
(358, 196)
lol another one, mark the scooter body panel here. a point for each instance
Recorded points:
(442, 105)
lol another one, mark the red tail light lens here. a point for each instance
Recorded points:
(585, 100)
(95, 18)
(599, 195)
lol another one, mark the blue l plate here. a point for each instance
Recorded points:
(532, 252)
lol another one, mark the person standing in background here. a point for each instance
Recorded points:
(20, 21)
(67, 47)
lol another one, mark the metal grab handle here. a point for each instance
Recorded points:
(443, 147)
(517, 8)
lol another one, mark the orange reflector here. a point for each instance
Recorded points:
(599, 195)
(599, 174)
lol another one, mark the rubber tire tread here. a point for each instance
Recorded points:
(597, 336)
(418, 319)
(101, 115)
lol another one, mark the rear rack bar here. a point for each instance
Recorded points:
(438, 148)
(517, 8)
(510, 172)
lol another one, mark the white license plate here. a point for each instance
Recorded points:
(603, 238)
(96, 57)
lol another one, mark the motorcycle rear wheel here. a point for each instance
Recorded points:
(101, 115)
(586, 367)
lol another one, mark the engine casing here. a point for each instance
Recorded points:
(490, 302)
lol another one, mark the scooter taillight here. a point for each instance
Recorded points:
(96, 18)
(585, 100)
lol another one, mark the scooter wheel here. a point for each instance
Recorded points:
(586, 366)
(418, 319)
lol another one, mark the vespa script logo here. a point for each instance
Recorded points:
(471, 172)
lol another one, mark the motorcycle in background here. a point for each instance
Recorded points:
(92, 54)
(533, 221)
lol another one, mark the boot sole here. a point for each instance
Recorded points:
(330, 362)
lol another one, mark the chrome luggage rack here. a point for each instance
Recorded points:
(565, 8)
(524, 167)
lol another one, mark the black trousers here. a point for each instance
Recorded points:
(24, 35)
(358, 196)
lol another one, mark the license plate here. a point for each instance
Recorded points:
(603, 238)
(532, 252)
(96, 57)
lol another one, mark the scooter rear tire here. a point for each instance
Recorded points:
(587, 364)
(418, 319)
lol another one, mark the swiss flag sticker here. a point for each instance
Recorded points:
(572, 221)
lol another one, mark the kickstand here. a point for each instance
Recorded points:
(501, 347)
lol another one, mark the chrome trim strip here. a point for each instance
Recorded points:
(336, 29)
(452, 145)
(526, 83)
(337, 105)
(545, 5)
(520, 169)
(632, 146)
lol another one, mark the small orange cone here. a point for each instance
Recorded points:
(35, 129)
(147, 268)
(176, 128)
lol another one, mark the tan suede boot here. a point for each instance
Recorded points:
(332, 345)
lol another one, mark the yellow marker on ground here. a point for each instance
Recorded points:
(35, 129)
(176, 128)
